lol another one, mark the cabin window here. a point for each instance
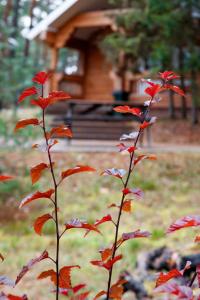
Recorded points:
(70, 61)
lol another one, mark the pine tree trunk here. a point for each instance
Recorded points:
(15, 24)
(3, 38)
(7, 11)
(195, 98)
(171, 108)
(182, 79)
(27, 42)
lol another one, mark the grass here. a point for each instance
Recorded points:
(171, 187)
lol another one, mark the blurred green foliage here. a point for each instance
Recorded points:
(10, 138)
(150, 33)
(19, 57)
(155, 35)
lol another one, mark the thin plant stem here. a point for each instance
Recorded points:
(55, 201)
(125, 184)
(192, 279)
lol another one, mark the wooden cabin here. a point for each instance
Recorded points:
(75, 30)
(78, 26)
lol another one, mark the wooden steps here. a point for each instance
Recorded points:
(96, 121)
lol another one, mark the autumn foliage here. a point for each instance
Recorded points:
(109, 256)
(60, 276)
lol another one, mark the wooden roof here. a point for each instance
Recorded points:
(64, 13)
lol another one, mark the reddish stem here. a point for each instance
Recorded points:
(192, 279)
(125, 184)
(55, 201)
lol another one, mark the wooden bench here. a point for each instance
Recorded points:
(98, 120)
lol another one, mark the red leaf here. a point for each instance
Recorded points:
(188, 221)
(127, 109)
(27, 92)
(106, 218)
(36, 171)
(1, 257)
(168, 75)
(175, 89)
(40, 221)
(99, 222)
(52, 143)
(5, 178)
(107, 265)
(4, 280)
(126, 206)
(117, 290)
(137, 192)
(40, 77)
(122, 148)
(43, 147)
(53, 97)
(58, 96)
(172, 288)
(136, 234)
(64, 276)
(153, 89)
(13, 297)
(75, 289)
(141, 157)
(76, 223)
(31, 263)
(119, 173)
(61, 131)
(106, 254)
(197, 239)
(126, 191)
(100, 294)
(78, 287)
(163, 278)
(77, 169)
(145, 125)
(36, 196)
(26, 122)
(50, 273)
(43, 103)
(111, 262)
(113, 205)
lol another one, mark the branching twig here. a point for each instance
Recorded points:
(192, 279)
(125, 184)
(55, 200)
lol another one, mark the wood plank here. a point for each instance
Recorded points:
(97, 131)
(88, 19)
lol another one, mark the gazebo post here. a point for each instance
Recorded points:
(53, 67)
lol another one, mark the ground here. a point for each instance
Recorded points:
(165, 132)
(171, 186)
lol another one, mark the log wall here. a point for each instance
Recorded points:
(97, 84)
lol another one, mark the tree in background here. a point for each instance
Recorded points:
(150, 34)
(178, 23)
(19, 58)
(128, 47)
